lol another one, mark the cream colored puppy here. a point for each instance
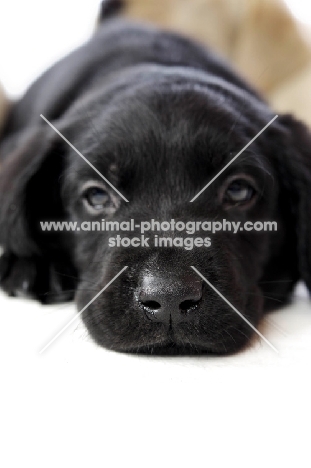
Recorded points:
(259, 37)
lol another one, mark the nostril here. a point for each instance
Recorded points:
(188, 304)
(153, 305)
(169, 299)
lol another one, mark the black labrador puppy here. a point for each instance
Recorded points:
(158, 116)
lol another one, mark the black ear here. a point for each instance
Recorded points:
(294, 166)
(33, 262)
(22, 162)
(110, 8)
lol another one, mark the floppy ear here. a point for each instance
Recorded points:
(30, 170)
(110, 8)
(294, 167)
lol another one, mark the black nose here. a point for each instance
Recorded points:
(170, 299)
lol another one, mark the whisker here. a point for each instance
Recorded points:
(277, 281)
(266, 297)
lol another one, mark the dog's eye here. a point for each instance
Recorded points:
(97, 198)
(238, 192)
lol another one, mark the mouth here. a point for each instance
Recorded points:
(171, 348)
(178, 316)
(171, 345)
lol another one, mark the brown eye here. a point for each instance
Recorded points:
(239, 192)
(97, 198)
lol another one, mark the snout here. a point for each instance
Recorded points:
(169, 298)
(160, 305)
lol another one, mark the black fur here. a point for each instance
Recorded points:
(159, 116)
(110, 8)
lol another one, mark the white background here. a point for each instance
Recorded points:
(79, 405)
(33, 34)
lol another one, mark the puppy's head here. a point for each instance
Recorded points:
(159, 144)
